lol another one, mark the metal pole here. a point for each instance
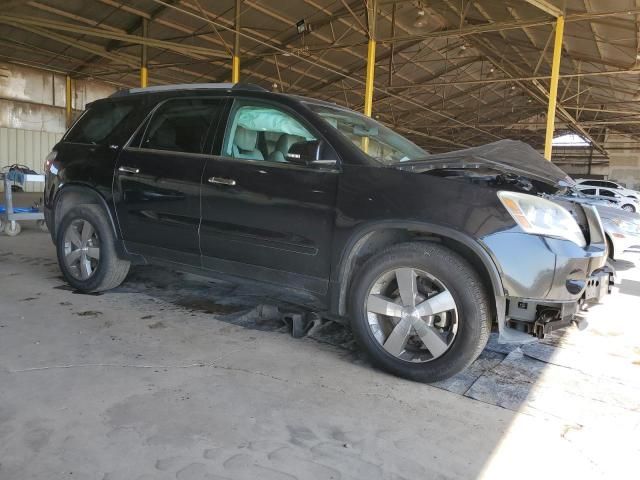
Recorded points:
(144, 71)
(68, 99)
(235, 61)
(553, 90)
(391, 46)
(371, 59)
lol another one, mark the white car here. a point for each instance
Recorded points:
(621, 189)
(601, 193)
(621, 228)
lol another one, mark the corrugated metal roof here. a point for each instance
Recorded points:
(443, 83)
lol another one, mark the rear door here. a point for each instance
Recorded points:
(262, 214)
(158, 177)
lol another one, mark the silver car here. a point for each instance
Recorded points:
(621, 227)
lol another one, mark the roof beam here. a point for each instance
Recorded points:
(197, 52)
(546, 6)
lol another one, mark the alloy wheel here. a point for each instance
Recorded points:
(412, 315)
(81, 249)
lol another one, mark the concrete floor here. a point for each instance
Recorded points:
(172, 376)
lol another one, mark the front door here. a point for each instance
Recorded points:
(262, 214)
(158, 178)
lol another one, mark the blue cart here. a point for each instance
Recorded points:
(10, 215)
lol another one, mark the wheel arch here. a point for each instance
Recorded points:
(610, 244)
(373, 237)
(74, 194)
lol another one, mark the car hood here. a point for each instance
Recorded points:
(507, 156)
(617, 214)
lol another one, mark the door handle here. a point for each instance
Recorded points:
(222, 181)
(126, 169)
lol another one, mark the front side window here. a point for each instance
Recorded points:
(98, 122)
(373, 138)
(607, 193)
(181, 125)
(263, 132)
(592, 183)
(610, 185)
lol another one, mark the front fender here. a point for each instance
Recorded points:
(342, 271)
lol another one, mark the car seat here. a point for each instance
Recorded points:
(244, 144)
(282, 147)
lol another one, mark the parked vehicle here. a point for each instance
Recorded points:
(621, 228)
(622, 233)
(418, 253)
(621, 189)
(602, 193)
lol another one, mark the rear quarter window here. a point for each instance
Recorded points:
(99, 122)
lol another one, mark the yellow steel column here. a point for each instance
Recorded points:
(235, 61)
(144, 72)
(553, 90)
(368, 88)
(67, 103)
(371, 60)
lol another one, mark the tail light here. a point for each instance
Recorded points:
(48, 161)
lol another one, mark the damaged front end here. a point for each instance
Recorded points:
(552, 259)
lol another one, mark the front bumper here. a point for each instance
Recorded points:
(623, 241)
(546, 280)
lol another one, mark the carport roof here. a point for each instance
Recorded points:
(449, 73)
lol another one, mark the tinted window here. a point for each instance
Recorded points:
(593, 183)
(263, 132)
(99, 121)
(181, 125)
(371, 137)
(609, 184)
(607, 193)
(589, 191)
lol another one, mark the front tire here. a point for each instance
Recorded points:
(629, 208)
(86, 251)
(419, 311)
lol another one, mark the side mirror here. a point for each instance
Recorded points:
(311, 153)
(303, 153)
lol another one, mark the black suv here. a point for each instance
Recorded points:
(418, 253)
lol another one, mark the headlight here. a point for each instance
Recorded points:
(539, 216)
(630, 227)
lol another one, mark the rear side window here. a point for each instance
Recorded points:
(589, 191)
(98, 122)
(182, 125)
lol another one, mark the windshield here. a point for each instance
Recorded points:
(373, 138)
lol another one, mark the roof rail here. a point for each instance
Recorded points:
(190, 86)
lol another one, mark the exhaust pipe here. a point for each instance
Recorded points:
(581, 323)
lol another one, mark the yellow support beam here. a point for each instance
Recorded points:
(371, 58)
(235, 60)
(369, 86)
(235, 69)
(67, 102)
(144, 71)
(553, 90)
(144, 76)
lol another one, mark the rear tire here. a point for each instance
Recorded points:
(86, 251)
(438, 271)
